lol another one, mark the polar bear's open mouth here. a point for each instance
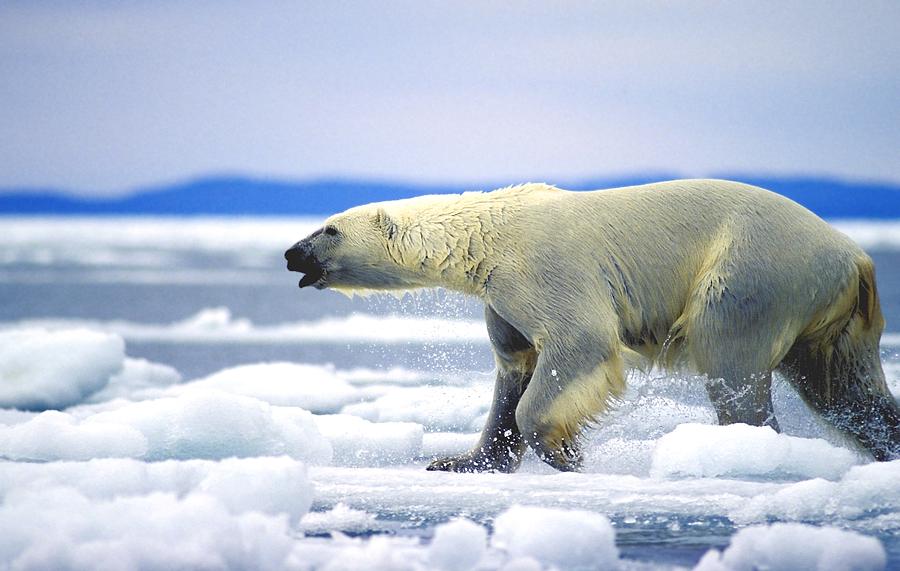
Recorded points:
(301, 259)
(312, 277)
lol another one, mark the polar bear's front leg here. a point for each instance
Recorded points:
(501, 446)
(572, 383)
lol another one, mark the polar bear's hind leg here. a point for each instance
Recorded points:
(836, 368)
(732, 332)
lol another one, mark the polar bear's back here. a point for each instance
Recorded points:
(658, 246)
(704, 203)
(682, 216)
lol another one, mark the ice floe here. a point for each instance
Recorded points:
(458, 545)
(218, 325)
(42, 369)
(358, 442)
(60, 529)
(339, 519)
(793, 546)
(378, 553)
(208, 425)
(54, 435)
(871, 234)
(568, 539)
(739, 450)
(137, 375)
(438, 408)
(214, 425)
(146, 241)
(870, 489)
(269, 485)
(240, 514)
(234, 447)
(311, 387)
(117, 514)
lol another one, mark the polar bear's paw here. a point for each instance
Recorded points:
(475, 461)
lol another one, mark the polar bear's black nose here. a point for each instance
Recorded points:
(299, 258)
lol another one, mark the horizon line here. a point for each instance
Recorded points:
(654, 175)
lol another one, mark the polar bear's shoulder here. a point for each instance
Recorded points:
(526, 188)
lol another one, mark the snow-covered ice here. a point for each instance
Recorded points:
(568, 539)
(55, 435)
(358, 442)
(271, 485)
(446, 408)
(217, 325)
(792, 546)
(870, 489)
(340, 518)
(135, 376)
(457, 545)
(299, 466)
(119, 514)
(739, 450)
(314, 388)
(206, 425)
(214, 425)
(44, 369)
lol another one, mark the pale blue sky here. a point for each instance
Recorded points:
(106, 96)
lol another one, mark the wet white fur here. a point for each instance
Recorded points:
(717, 275)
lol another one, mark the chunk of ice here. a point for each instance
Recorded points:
(705, 451)
(267, 485)
(214, 425)
(358, 442)
(457, 545)
(443, 408)
(311, 387)
(270, 485)
(792, 546)
(59, 528)
(115, 514)
(379, 553)
(340, 518)
(870, 488)
(136, 375)
(42, 369)
(54, 435)
(569, 539)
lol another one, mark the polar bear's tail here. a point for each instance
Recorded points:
(836, 368)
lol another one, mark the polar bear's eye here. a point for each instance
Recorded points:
(331, 230)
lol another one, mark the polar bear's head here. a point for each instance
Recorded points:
(365, 248)
(448, 240)
(350, 252)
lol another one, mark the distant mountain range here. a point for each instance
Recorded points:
(229, 196)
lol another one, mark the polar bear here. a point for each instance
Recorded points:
(726, 279)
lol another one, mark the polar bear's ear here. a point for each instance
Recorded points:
(386, 223)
